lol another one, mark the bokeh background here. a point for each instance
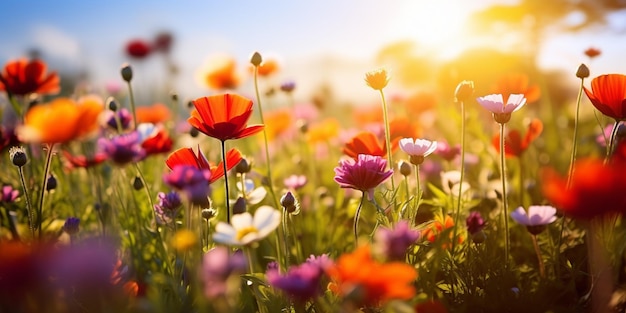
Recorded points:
(322, 45)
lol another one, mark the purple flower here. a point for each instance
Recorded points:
(288, 86)
(124, 117)
(218, 267)
(167, 208)
(71, 225)
(191, 180)
(392, 243)
(9, 194)
(475, 222)
(123, 149)
(364, 174)
(300, 283)
(537, 218)
(295, 182)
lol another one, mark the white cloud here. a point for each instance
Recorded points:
(55, 42)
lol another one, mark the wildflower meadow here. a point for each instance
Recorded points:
(486, 195)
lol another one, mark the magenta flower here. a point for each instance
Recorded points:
(167, 208)
(474, 222)
(446, 151)
(301, 282)
(364, 174)
(9, 194)
(392, 243)
(124, 116)
(123, 149)
(295, 182)
(502, 111)
(191, 180)
(219, 271)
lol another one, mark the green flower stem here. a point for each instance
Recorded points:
(29, 208)
(575, 143)
(457, 214)
(522, 194)
(251, 262)
(505, 204)
(42, 192)
(611, 146)
(388, 143)
(408, 198)
(286, 236)
(356, 221)
(542, 268)
(227, 194)
(418, 192)
(132, 105)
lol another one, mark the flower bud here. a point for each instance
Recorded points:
(18, 156)
(464, 91)
(256, 59)
(51, 184)
(239, 206)
(127, 72)
(243, 167)
(288, 201)
(208, 214)
(405, 168)
(194, 132)
(112, 105)
(71, 226)
(137, 183)
(174, 96)
(583, 71)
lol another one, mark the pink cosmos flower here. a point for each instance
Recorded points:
(502, 111)
(417, 147)
(364, 174)
(537, 215)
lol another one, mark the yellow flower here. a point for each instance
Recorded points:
(377, 79)
(184, 240)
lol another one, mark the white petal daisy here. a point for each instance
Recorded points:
(245, 229)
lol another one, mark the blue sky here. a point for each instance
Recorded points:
(91, 34)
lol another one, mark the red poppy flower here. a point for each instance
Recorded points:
(596, 189)
(81, 161)
(592, 52)
(160, 142)
(517, 83)
(156, 113)
(186, 156)
(608, 95)
(514, 145)
(138, 48)
(365, 143)
(223, 117)
(22, 77)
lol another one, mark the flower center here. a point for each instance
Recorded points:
(245, 231)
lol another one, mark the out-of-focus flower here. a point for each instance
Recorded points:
(288, 86)
(447, 152)
(245, 229)
(83, 161)
(163, 42)
(9, 194)
(51, 183)
(608, 95)
(21, 77)
(450, 183)
(474, 222)
(123, 115)
(516, 83)
(167, 208)
(155, 114)
(138, 48)
(220, 73)
(417, 149)
(364, 174)
(402, 127)
(596, 189)
(430, 306)
(365, 143)
(220, 269)
(268, 67)
(419, 103)
(300, 283)
(61, 121)
(592, 52)
(393, 243)
(295, 182)
(358, 278)
(223, 117)
(277, 123)
(194, 182)
(186, 156)
(157, 141)
(514, 145)
(377, 79)
(253, 194)
(366, 115)
(501, 110)
(437, 227)
(537, 218)
(122, 149)
(71, 225)
(184, 240)
(323, 131)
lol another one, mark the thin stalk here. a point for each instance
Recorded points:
(267, 149)
(611, 146)
(226, 199)
(542, 268)
(132, 105)
(42, 192)
(299, 252)
(29, 207)
(575, 144)
(520, 160)
(408, 198)
(505, 204)
(418, 192)
(460, 196)
(286, 235)
(356, 221)
(388, 142)
(251, 262)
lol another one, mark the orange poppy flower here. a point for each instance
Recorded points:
(156, 113)
(437, 227)
(368, 115)
(365, 143)
(74, 161)
(22, 77)
(61, 121)
(223, 117)
(323, 131)
(379, 282)
(268, 67)
(592, 52)
(608, 95)
(221, 73)
(277, 123)
(596, 189)
(516, 83)
(402, 127)
(514, 145)
(420, 103)
(186, 156)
